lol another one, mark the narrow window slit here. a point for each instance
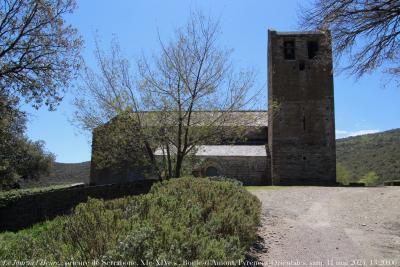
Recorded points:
(289, 49)
(312, 47)
(302, 66)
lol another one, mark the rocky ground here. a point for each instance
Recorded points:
(327, 226)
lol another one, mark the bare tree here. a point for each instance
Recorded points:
(109, 105)
(39, 53)
(106, 92)
(193, 74)
(183, 97)
(368, 30)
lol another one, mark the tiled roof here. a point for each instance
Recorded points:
(256, 118)
(232, 150)
(245, 118)
(228, 150)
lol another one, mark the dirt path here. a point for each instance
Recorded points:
(322, 226)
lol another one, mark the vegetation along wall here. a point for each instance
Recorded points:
(26, 210)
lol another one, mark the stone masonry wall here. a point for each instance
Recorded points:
(249, 170)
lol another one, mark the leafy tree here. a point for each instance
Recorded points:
(368, 30)
(26, 160)
(190, 75)
(39, 56)
(39, 52)
(32, 160)
(20, 158)
(12, 125)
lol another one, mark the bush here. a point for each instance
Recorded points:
(181, 219)
(370, 179)
(226, 179)
(342, 174)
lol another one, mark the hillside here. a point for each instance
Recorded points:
(379, 153)
(64, 173)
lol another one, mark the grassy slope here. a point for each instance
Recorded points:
(359, 155)
(378, 152)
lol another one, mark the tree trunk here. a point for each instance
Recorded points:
(169, 163)
(152, 159)
(178, 167)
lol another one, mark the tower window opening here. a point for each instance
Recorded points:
(302, 66)
(289, 49)
(312, 47)
(304, 123)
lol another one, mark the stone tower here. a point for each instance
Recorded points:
(301, 126)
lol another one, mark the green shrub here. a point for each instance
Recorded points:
(342, 174)
(225, 179)
(181, 219)
(38, 242)
(370, 179)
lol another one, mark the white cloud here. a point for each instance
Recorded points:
(344, 133)
(361, 132)
(338, 132)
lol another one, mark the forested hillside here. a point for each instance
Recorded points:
(371, 157)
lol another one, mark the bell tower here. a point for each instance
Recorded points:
(301, 123)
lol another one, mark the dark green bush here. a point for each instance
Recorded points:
(181, 219)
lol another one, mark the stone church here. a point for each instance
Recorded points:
(291, 144)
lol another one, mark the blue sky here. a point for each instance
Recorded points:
(361, 106)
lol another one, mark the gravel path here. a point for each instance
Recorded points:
(327, 226)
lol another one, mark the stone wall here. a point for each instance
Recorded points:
(249, 170)
(254, 133)
(301, 129)
(116, 171)
(30, 209)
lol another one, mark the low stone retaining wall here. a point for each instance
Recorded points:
(392, 183)
(30, 209)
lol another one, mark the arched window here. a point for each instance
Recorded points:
(211, 171)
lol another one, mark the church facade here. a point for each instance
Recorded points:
(293, 143)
